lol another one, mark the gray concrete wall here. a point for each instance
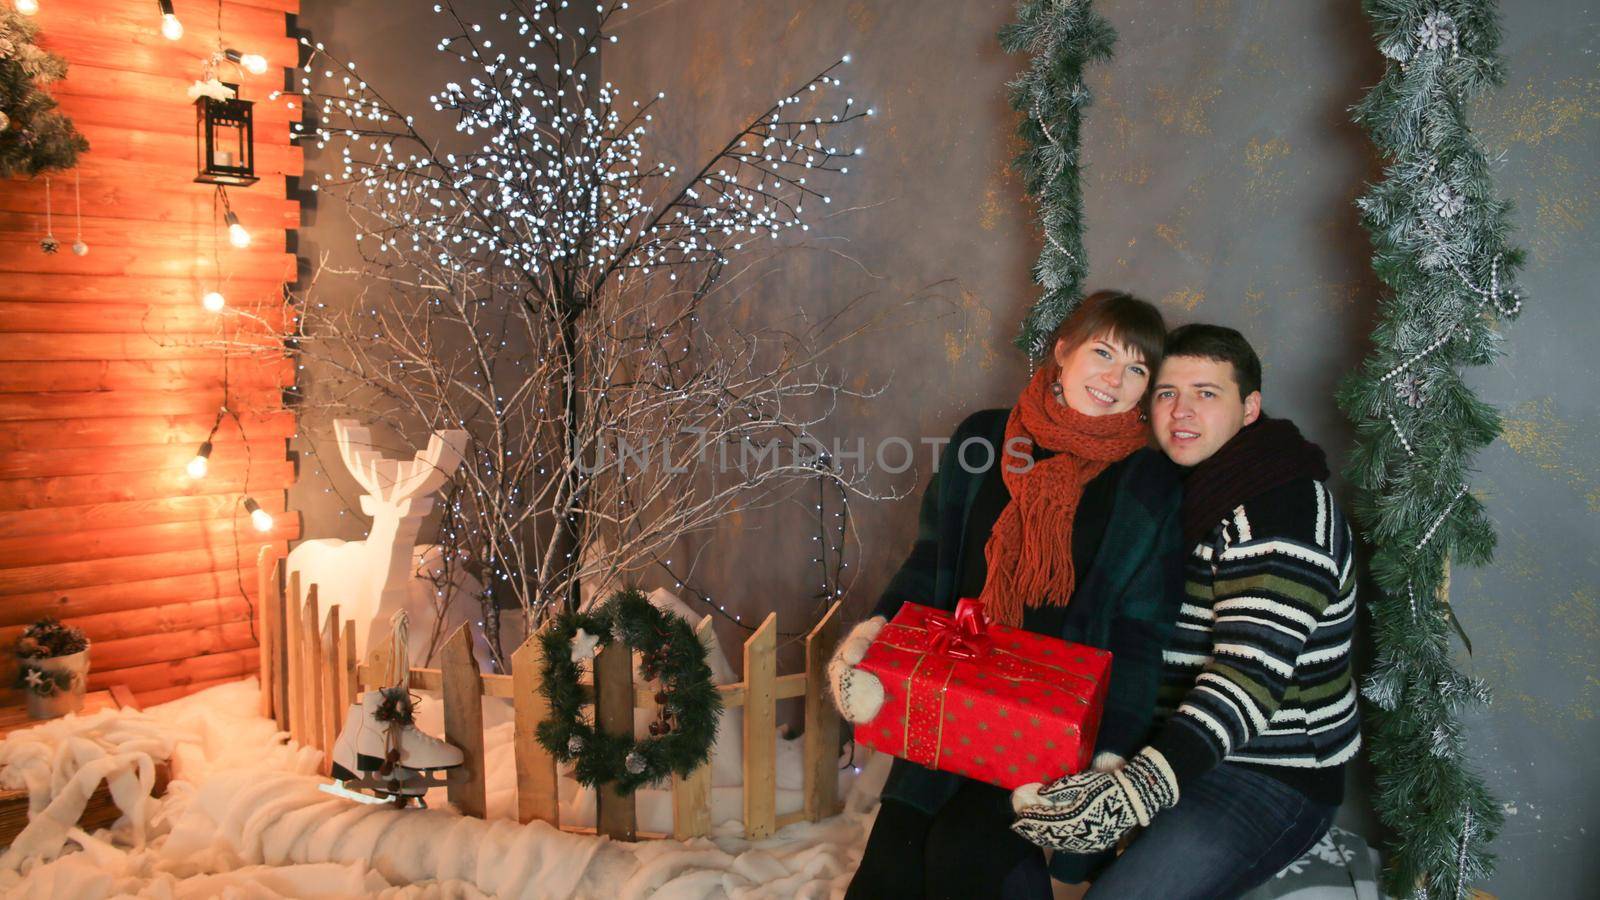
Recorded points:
(1222, 167)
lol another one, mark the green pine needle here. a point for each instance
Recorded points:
(1051, 95)
(36, 139)
(1440, 246)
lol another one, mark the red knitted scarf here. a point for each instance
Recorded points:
(1029, 553)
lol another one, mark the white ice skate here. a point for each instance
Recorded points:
(381, 756)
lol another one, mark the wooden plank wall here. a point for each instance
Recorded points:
(110, 372)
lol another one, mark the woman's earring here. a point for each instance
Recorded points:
(1059, 392)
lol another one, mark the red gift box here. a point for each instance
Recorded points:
(997, 704)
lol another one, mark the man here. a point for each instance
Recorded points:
(1248, 770)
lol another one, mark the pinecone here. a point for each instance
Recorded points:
(1447, 204)
(1437, 31)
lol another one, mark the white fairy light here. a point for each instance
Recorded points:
(548, 175)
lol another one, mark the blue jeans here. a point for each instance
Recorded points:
(1233, 829)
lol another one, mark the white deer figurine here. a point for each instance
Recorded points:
(371, 579)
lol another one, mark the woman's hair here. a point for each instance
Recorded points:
(1122, 318)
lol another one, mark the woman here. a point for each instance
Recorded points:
(1070, 531)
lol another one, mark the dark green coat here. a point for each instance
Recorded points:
(1126, 601)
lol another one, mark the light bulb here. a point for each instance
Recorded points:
(27, 7)
(171, 28)
(214, 301)
(254, 63)
(197, 466)
(237, 235)
(259, 517)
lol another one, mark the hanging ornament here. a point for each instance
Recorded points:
(634, 763)
(1446, 202)
(48, 243)
(79, 248)
(574, 745)
(5, 120)
(1412, 390)
(1437, 31)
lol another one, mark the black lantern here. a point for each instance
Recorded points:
(225, 140)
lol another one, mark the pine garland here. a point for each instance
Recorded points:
(1051, 95)
(1440, 239)
(34, 138)
(688, 698)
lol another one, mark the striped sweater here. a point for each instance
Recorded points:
(1258, 672)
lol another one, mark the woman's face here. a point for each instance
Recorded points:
(1100, 377)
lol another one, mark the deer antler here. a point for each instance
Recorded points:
(429, 468)
(355, 448)
(394, 480)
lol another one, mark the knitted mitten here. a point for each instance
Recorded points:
(1106, 761)
(857, 694)
(1091, 811)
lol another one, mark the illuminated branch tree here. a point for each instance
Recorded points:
(562, 298)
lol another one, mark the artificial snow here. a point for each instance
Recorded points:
(243, 817)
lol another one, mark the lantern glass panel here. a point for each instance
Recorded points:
(227, 143)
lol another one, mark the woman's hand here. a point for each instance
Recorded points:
(857, 693)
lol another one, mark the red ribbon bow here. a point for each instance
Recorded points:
(961, 636)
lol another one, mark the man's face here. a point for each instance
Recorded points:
(1196, 408)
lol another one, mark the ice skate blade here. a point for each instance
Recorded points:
(339, 790)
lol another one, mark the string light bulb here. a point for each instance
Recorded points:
(259, 517)
(27, 7)
(237, 235)
(197, 466)
(254, 63)
(213, 301)
(171, 28)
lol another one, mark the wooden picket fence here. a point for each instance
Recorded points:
(310, 676)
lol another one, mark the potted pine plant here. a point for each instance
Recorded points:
(52, 668)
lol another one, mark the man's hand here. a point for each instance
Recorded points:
(857, 693)
(1091, 811)
(1106, 761)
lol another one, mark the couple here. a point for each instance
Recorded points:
(1216, 571)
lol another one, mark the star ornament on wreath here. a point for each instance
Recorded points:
(672, 654)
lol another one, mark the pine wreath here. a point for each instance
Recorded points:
(689, 701)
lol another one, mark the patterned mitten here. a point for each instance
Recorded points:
(858, 694)
(1106, 761)
(1091, 811)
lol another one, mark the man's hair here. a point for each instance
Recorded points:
(1219, 344)
(1119, 317)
